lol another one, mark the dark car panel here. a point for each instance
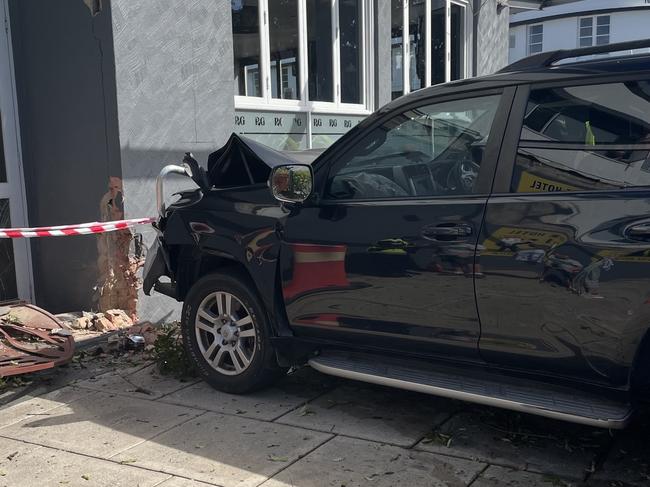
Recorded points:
(540, 268)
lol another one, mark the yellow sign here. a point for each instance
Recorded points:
(529, 183)
(505, 239)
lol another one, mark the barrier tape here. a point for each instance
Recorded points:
(78, 229)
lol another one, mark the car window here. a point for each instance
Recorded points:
(431, 150)
(581, 138)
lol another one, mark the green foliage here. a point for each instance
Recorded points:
(169, 353)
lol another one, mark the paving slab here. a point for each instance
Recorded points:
(23, 465)
(518, 440)
(144, 383)
(506, 477)
(29, 406)
(353, 462)
(628, 461)
(180, 482)
(373, 413)
(224, 449)
(267, 404)
(99, 424)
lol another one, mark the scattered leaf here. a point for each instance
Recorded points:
(11, 456)
(85, 477)
(127, 461)
(305, 411)
(275, 458)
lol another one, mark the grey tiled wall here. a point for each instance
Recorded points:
(173, 68)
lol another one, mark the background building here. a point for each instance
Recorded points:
(97, 96)
(584, 23)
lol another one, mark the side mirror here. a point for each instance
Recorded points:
(292, 183)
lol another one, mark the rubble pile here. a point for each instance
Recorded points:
(111, 320)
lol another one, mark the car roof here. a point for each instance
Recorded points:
(569, 65)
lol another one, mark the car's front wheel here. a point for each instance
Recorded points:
(226, 334)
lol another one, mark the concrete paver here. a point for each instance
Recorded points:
(506, 477)
(310, 430)
(520, 441)
(372, 413)
(352, 462)
(22, 464)
(144, 383)
(29, 406)
(224, 449)
(289, 393)
(99, 424)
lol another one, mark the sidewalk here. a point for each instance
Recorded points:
(131, 427)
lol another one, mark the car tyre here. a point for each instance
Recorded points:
(226, 334)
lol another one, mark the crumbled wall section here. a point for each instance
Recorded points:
(117, 266)
(174, 94)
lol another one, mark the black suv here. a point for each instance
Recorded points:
(486, 240)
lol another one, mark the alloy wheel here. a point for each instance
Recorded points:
(225, 333)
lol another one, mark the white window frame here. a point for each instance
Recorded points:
(14, 188)
(267, 103)
(406, 42)
(529, 34)
(594, 30)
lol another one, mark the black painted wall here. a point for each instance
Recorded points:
(65, 78)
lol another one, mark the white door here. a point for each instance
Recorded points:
(15, 262)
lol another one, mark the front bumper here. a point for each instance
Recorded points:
(156, 266)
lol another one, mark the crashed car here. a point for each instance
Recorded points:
(417, 251)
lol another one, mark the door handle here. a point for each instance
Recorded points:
(446, 231)
(638, 232)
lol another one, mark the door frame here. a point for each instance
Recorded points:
(14, 189)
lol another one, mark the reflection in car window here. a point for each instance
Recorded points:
(431, 150)
(607, 127)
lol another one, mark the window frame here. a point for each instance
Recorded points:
(529, 34)
(333, 160)
(406, 46)
(593, 38)
(267, 103)
(511, 142)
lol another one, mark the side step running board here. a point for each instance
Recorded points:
(489, 389)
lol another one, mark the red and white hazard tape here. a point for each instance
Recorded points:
(78, 229)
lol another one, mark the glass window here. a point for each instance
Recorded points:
(602, 30)
(319, 32)
(438, 41)
(457, 42)
(609, 124)
(284, 42)
(535, 38)
(246, 47)
(396, 53)
(417, 35)
(350, 16)
(433, 150)
(588, 31)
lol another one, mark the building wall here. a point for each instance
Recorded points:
(173, 68)
(68, 126)
(491, 43)
(562, 33)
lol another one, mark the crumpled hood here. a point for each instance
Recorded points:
(242, 161)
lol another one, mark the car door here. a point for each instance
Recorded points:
(386, 256)
(566, 239)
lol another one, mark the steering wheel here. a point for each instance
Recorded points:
(462, 176)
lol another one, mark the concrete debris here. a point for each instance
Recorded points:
(111, 320)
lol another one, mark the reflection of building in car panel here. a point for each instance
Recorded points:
(585, 137)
